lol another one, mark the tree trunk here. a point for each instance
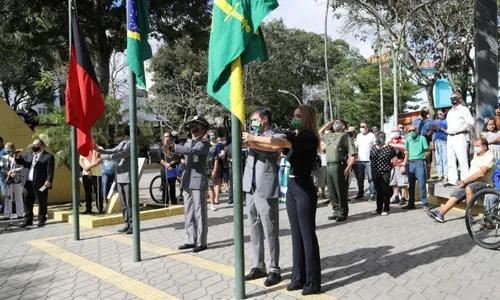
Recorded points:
(430, 98)
(103, 68)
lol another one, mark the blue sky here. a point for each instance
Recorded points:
(309, 15)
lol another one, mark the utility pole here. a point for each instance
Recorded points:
(327, 71)
(381, 80)
(395, 55)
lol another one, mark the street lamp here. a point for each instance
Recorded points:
(298, 100)
(288, 93)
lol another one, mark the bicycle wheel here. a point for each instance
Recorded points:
(484, 229)
(156, 190)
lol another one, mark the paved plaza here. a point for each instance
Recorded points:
(402, 256)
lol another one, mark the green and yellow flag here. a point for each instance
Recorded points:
(235, 40)
(138, 49)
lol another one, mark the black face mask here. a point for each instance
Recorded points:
(423, 114)
(454, 100)
(35, 148)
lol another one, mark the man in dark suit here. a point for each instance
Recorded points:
(38, 175)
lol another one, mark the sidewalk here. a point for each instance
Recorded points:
(402, 256)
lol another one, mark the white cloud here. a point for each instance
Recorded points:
(309, 15)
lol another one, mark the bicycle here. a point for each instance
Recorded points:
(156, 190)
(488, 233)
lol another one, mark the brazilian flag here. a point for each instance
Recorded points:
(138, 49)
(236, 39)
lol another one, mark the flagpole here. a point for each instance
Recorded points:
(74, 155)
(134, 181)
(239, 259)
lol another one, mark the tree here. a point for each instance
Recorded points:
(430, 33)
(179, 92)
(360, 96)
(40, 29)
(57, 133)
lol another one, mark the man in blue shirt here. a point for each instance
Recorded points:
(440, 137)
(424, 125)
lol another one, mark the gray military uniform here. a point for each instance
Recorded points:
(260, 183)
(121, 154)
(195, 185)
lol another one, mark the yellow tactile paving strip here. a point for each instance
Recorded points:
(119, 280)
(213, 266)
(77, 261)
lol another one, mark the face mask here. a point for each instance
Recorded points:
(478, 149)
(378, 142)
(9, 151)
(224, 142)
(441, 117)
(394, 135)
(256, 126)
(423, 114)
(26, 106)
(296, 124)
(363, 130)
(454, 100)
(401, 131)
(337, 127)
(212, 138)
(35, 148)
(413, 134)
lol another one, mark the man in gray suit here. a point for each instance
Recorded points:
(121, 154)
(195, 184)
(260, 183)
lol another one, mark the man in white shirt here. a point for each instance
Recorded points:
(460, 122)
(364, 143)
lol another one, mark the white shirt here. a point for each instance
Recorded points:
(485, 160)
(365, 142)
(36, 156)
(322, 156)
(459, 119)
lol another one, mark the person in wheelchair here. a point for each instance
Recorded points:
(490, 200)
(481, 173)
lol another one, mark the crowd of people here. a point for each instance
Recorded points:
(306, 160)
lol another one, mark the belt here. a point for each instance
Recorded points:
(457, 133)
(415, 160)
(335, 163)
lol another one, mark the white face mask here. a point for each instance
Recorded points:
(363, 130)
(394, 135)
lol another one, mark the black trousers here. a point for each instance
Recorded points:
(301, 202)
(169, 191)
(32, 195)
(124, 190)
(93, 184)
(384, 191)
(231, 181)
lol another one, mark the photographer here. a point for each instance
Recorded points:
(12, 173)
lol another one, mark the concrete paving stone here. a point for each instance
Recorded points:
(352, 296)
(367, 292)
(453, 297)
(195, 293)
(400, 293)
(383, 285)
(434, 293)
(469, 293)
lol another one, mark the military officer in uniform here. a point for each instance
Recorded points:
(195, 184)
(338, 146)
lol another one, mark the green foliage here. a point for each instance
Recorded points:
(57, 133)
(360, 96)
(34, 38)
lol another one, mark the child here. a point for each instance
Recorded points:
(493, 137)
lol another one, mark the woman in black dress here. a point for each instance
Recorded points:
(301, 197)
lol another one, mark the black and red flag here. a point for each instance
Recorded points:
(84, 102)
